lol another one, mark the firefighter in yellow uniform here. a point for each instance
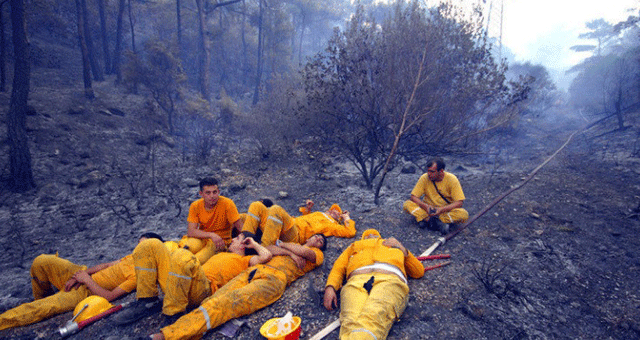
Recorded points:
(255, 288)
(275, 223)
(375, 294)
(181, 277)
(437, 198)
(74, 283)
(210, 222)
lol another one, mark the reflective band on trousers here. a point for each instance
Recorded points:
(450, 219)
(364, 331)
(146, 269)
(180, 276)
(254, 216)
(414, 210)
(206, 317)
(275, 219)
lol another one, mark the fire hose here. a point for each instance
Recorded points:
(72, 327)
(442, 240)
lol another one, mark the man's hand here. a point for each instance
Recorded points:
(345, 216)
(249, 242)
(82, 276)
(330, 298)
(72, 283)
(299, 260)
(217, 240)
(392, 242)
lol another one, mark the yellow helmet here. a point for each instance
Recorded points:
(95, 305)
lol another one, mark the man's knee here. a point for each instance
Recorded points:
(148, 245)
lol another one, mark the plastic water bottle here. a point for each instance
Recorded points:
(285, 324)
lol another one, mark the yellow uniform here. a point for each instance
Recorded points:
(218, 220)
(181, 277)
(255, 288)
(371, 302)
(275, 223)
(449, 187)
(50, 270)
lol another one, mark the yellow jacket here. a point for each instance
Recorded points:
(367, 252)
(320, 223)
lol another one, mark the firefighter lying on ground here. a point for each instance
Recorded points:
(375, 294)
(182, 279)
(274, 223)
(74, 283)
(253, 289)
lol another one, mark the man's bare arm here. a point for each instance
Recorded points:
(193, 231)
(84, 278)
(448, 207)
(264, 255)
(300, 250)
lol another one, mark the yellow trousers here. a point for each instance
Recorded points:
(187, 284)
(370, 315)
(151, 261)
(255, 218)
(238, 297)
(47, 272)
(457, 215)
(279, 225)
(178, 273)
(202, 248)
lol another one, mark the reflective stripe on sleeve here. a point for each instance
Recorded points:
(206, 317)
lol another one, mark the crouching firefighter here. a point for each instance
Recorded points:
(375, 294)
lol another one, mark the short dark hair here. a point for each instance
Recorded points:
(267, 202)
(248, 234)
(438, 161)
(207, 182)
(324, 241)
(249, 251)
(152, 235)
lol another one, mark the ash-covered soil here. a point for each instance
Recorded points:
(558, 258)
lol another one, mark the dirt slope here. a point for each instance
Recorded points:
(557, 259)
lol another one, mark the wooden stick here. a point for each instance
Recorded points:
(325, 331)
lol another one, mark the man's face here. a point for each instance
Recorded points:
(315, 241)
(237, 243)
(434, 173)
(334, 214)
(210, 194)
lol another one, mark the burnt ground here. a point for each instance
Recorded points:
(559, 258)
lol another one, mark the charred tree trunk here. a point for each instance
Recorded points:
(256, 93)
(3, 51)
(245, 60)
(86, 67)
(618, 106)
(117, 53)
(179, 25)
(105, 40)
(132, 24)
(19, 155)
(93, 61)
(204, 52)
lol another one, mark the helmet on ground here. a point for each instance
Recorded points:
(95, 305)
